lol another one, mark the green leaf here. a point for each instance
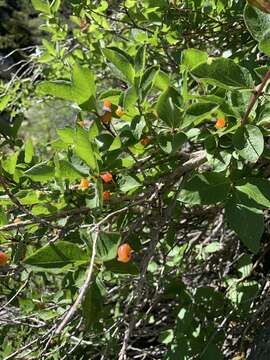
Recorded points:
(4, 100)
(29, 151)
(148, 79)
(244, 265)
(116, 144)
(248, 142)
(247, 222)
(30, 197)
(93, 131)
(161, 80)
(57, 255)
(3, 217)
(121, 62)
(166, 337)
(167, 107)
(197, 113)
(121, 268)
(9, 164)
(137, 126)
(239, 101)
(170, 143)
(66, 135)
(264, 44)
(257, 22)
(41, 5)
(55, 5)
(107, 245)
(129, 183)
(40, 172)
(219, 161)
(207, 188)
(97, 200)
(81, 89)
(84, 149)
(130, 99)
(92, 304)
(68, 171)
(224, 73)
(139, 63)
(193, 57)
(256, 189)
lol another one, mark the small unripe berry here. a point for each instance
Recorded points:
(84, 184)
(106, 195)
(220, 123)
(3, 258)
(107, 177)
(124, 253)
(120, 111)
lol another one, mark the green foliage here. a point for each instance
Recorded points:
(190, 199)
(79, 90)
(56, 255)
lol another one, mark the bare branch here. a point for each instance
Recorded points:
(83, 289)
(256, 96)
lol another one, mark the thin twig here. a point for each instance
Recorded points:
(38, 220)
(139, 292)
(16, 294)
(83, 289)
(255, 96)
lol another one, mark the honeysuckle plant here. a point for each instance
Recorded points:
(167, 157)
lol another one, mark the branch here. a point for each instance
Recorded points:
(139, 292)
(83, 290)
(39, 220)
(255, 96)
(196, 159)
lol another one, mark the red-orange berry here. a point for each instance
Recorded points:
(124, 253)
(106, 117)
(120, 111)
(220, 123)
(106, 195)
(107, 104)
(84, 184)
(145, 141)
(3, 258)
(107, 177)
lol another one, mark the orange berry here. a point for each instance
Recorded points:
(145, 141)
(106, 195)
(124, 253)
(106, 117)
(120, 111)
(220, 123)
(84, 184)
(107, 104)
(107, 177)
(3, 258)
